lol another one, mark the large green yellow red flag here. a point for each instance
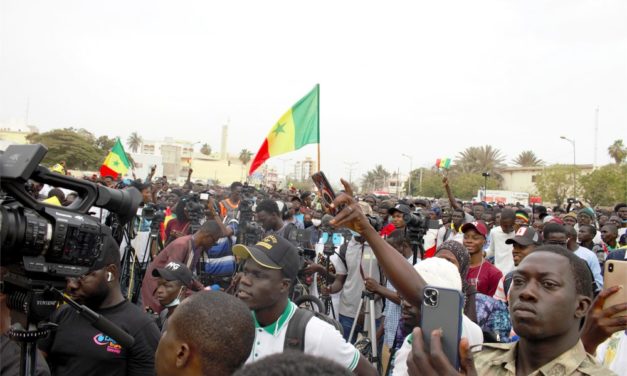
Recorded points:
(116, 163)
(298, 127)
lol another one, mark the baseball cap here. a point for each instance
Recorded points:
(174, 271)
(478, 226)
(421, 202)
(524, 236)
(401, 208)
(272, 252)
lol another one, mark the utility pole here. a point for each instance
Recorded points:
(350, 170)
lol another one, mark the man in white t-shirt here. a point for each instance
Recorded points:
(502, 251)
(269, 271)
(438, 272)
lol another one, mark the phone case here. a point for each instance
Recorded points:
(615, 274)
(325, 189)
(445, 314)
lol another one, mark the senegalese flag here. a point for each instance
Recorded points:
(444, 163)
(116, 163)
(298, 127)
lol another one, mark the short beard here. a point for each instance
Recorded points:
(95, 300)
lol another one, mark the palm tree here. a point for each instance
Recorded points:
(375, 179)
(528, 158)
(478, 159)
(134, 141)
(245, 155)
(617, 151)
(205, 149)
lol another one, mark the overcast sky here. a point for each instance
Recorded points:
(424, 78)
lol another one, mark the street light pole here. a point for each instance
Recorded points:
(350, 170)
(411, 161)
(285, 160)
(572, 142)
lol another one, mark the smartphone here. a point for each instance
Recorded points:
(442, 309)
(326, 192)
(615, 274)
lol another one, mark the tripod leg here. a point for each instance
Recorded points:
(350, 336)
(373, 330)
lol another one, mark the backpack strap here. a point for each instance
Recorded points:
(295, 335)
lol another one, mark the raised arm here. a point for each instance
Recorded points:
(401, 273)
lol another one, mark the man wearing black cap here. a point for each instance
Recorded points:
(174, 281)
(78, 348)
(270, 268)
(523, 243)
(397, 214)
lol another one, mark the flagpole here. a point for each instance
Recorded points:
(318, 85)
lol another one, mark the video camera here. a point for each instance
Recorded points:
(42, 244)
(417, 225)
(195, 206)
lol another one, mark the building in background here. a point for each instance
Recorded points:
(523, 179)
(304, 169)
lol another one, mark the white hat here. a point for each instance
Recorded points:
(438, 272)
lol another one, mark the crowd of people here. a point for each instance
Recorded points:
(220, 268)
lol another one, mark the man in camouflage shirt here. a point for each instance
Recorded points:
(550, 294)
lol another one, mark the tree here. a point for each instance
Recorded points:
(134, 141)
(205, 149)
(375, 179)
(245, 155)
(555, 183)
(528, 158)
(617, 151)
(105, 143)
(76, 147)
(464, 185)
(605, 186)
(480, 159)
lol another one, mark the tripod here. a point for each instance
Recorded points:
(370, 326)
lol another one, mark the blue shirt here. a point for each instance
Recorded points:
(219, 258)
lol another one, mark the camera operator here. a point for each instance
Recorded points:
(229, 207)
(351, 274)
(178, 226)
(186, 250)
(77, 348)
(270, 218)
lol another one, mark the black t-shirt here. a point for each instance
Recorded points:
(77, 348)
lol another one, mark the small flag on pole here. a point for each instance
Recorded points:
(443, 163)
(116, 163)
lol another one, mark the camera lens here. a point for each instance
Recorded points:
(610, 267)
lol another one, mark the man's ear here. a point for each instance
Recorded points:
(183, 355)
(111, 268)
(583, 305)
(286, 283)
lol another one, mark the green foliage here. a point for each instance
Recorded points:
(528, 158)
(205, 149)
(555, 183)
(478, 159)
(105, 143)
(617, 151)
(605, 186)
(77, 148)
(244, 156)
(463, 185)
(375, 179)
(134, 141)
